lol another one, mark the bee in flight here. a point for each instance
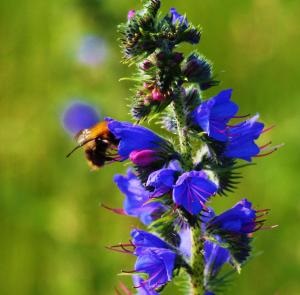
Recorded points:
(99, 144)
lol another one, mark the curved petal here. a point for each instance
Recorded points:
(215, 257)
(239, 219)
(144, 239)
(133, 137)
(161, 181)
(158, 264)
(136, 198)
(213, 115)
(192, 190)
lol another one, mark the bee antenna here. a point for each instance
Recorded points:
(73, 150)
(78, 146)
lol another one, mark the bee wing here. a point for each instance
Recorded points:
(83, 136)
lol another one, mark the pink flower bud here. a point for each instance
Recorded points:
(146, 65)
(161, 56)
(157, 95)
(143, 158)
(148, 86)
(131, 14)
(147, 100)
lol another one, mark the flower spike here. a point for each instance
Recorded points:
(173, 178)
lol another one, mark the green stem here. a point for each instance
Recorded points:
(184, 142)
(197, 261)
(197, 264)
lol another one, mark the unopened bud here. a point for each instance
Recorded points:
(146, 65)
(131, 14)
(143, 158)
(157, 95)
(178, 57)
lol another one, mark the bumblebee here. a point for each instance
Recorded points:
(100, 145)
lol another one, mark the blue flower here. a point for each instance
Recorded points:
(235, 227)
(161, 181)
(213, 115)
(154, 257)
(158, 264)
(215, 257)
(134, 137)
(136, 198)
(241, 137)
(178, 18)
(192, 190)
(143, 239)
(240, 219)
(142, 286)
(78, 116)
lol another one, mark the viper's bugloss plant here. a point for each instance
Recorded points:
(172, 179)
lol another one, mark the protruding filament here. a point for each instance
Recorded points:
(119, 211)
(268, 129)
(241, 117)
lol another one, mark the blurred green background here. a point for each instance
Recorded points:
(53, 232)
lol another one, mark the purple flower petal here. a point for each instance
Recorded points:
(239, 219)
(215, 257)
(214, 114)
(178, 18)
(161, 181)
(192, 190)
(136, 198)
(158, 264)
(143, 239)
(133, 137)
(241, 139)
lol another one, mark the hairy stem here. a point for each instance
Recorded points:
(197, 261)
(197, 264)
(182, 131)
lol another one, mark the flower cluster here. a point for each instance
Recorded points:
(172, 180)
